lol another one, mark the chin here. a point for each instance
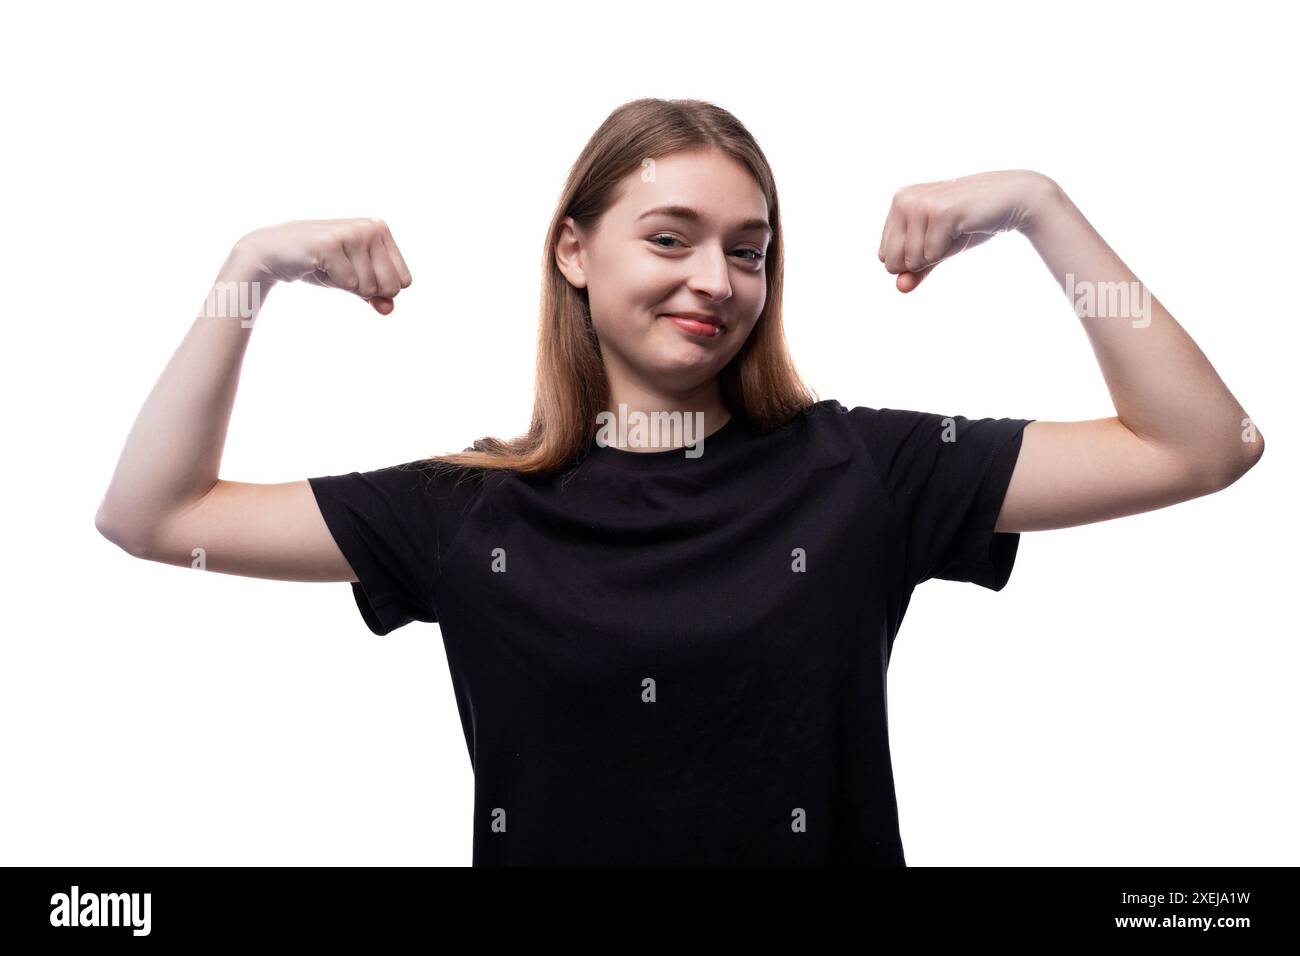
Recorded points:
(691, 361)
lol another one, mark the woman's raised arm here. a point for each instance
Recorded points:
(1178, 432)
(166, 501)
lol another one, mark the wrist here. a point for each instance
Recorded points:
(239, 288)
(243, 265)
(1044, 198)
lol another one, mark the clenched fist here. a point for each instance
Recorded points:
(355, 255)
(931, 222)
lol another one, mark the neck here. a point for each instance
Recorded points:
(699, 411)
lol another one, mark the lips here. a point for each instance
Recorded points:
(697, 324)
(695, 317)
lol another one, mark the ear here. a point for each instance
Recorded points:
(569, 254)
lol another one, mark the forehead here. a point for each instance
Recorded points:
(718, 187)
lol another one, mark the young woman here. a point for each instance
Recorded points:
(673, 648)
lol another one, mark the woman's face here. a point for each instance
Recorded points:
(687, 234)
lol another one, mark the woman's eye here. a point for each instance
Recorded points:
(754, 254)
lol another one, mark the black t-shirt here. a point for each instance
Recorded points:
(665, 659)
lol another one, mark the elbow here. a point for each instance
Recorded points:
(118, 533)
(1236, 464)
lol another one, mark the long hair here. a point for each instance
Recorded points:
(571, 386)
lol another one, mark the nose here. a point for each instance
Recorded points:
(710, 275)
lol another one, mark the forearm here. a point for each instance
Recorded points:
(173, 453)
(1163, 387)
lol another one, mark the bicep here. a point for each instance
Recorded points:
(1073, 473)
(255, 530)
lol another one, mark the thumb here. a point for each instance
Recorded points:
(908, 281)
(382, 304)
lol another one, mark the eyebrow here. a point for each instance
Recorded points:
(686, 212)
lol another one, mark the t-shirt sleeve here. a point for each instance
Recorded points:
(947, 477)
(390, 524)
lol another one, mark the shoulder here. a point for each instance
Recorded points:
(443, 483)
(828, 431)
(831, 419)
(878, 427)
(830, 413)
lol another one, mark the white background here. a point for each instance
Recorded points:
(1129, 698)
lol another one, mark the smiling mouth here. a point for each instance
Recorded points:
(697, 326)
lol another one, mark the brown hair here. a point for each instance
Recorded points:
(571, 386)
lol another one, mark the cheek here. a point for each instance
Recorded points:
(755, 298)
(650, 281)
(628, 291)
